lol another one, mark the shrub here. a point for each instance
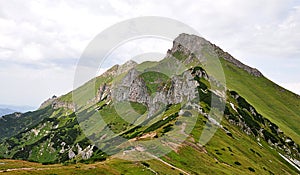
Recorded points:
(229, 134)
(146, 164)
(167, 128)
(251, 169)
(48, 163)
(237, 163)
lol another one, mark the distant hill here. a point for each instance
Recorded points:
(9, 109)
(5, 111)
(17, 108)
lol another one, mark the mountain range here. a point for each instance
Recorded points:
(8, 109)
(197, 111)
(5, 111)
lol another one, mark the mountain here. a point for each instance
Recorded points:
(9, 109)
(16, 108)
(174, 116)
(4, 111)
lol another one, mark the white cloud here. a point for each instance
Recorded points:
(133, 48)
(20, 85)
(45, 38)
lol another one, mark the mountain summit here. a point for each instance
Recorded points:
(192, 42)
(197, 111)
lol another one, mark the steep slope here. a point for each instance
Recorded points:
(276, 103)
(13, 124)
(140, 103)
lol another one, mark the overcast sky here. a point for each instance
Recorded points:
(42, 40)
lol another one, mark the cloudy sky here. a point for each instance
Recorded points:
(42, 40)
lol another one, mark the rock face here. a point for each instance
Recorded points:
(119, 69)
(194, 44)
(86, 153)
(236, 62)
(48, 102)
(82, 154)
(182, 88)
(60, 104)
(103, 92)
(189, 44)
(133, 88)
(126, 67)
(56, 103)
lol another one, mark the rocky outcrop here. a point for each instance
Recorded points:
(56, 103)
(119, 69)
(111, 72)
(104, 91)
(192, 45)
(182, 88)
(60, 104)
(81, 153)
(126, 67)
(133, 88)
(48, 102)
(85, 153)
(71, 154)
(236, 62)
(189, 44)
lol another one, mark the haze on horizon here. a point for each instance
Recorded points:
(41, 41)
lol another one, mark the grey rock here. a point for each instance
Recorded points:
(193, 45)
(71, 154)
(133, 88)
(130, 87)
(60, 104)
(56, 103)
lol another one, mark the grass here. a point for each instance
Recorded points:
(224, 154)
(146, 65)
(154, 80)
(280, 106)
(114, 167)
(219, 156)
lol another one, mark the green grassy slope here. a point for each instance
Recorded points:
(12, 124)
(275, 103)
(109, 167)
(239, 147)
(237, 153)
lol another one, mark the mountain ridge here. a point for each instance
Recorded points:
(191, 40)
(54, 135)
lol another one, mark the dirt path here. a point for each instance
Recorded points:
(166, 163)
(16, 169)
(23, 169)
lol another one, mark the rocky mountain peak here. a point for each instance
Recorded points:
(194, 44)
(48, 101)
(119, 69)
(190, 41)
(126, 66)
